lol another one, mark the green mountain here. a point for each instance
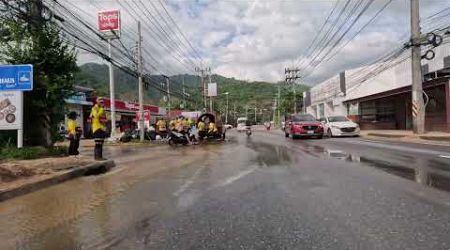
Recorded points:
(243, 95)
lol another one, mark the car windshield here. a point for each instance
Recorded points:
(241, 121)
(303, 118)
(337, 119)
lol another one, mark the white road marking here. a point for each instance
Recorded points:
(234, 178)
(188, 183)
(445, 156)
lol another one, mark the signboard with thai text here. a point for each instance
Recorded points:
(109, 23)
(10, 110)
(16, 77)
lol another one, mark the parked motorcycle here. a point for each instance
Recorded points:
(176, 138)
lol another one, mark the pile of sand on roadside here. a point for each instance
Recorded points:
(13, 170)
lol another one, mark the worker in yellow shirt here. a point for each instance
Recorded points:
(161, 127)
(73, 133)
(186, 125)
(179, 124)
(172, 125)
(98, 121)
(201, 126)
(212, 129)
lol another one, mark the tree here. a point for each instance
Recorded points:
(26, 38)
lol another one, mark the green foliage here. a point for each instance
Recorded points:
(54, 67)
(242, 94)
(10, 152)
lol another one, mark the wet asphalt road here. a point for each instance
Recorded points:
(263, 192)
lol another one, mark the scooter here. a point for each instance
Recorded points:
(176, 138)
(248, 131)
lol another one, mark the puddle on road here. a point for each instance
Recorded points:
(271, 155)
(426, 172)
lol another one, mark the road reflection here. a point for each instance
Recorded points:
(427, 172)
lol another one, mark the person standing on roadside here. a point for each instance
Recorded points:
(73, 133)
(98, 121)
(201, 126)
(161, 128)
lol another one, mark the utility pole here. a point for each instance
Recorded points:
(111, 91)
(226, 112)
(234, 112)
(184, 95)
(141, 85)
(279, 104)
(418, 109)
(255, 115)
(210, 98)
(291, 76)
(168, 92)
(203, 85)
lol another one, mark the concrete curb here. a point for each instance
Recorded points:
(56, 179)
(435, 138)
(385, 135)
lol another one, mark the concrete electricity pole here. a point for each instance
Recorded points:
(210, 98)
(291, 77)
(418, 109)
(255, 115)
(226, 112)
(203, 85)
(184, 95)
(111, 91)
(168, 93)
(141, 85)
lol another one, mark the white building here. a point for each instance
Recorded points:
(379, 96)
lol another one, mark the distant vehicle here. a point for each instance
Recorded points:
(242, 124)
(228, 126)
(339, 126)
(303, 125)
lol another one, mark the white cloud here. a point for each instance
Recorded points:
(256, 40)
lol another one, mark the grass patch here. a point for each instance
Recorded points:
(27, 153)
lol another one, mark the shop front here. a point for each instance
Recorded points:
(78, 103)
(392, 109)
(126, 114)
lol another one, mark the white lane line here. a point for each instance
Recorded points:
(445, 156)
(234, 178)
(188, 183)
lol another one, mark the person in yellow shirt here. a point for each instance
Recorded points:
(179, 125)
(212, 129)
(186, 125)
(73, 134)
(172, 125)
(98, 121)
(201, 126)
(161, 127)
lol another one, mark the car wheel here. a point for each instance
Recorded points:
(329, 133)
(320, 137)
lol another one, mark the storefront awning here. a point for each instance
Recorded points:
(80, 102)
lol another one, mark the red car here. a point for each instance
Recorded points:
(303, 125)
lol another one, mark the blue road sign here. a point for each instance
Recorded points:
(16, 77)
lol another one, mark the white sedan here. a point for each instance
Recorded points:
(339, 126)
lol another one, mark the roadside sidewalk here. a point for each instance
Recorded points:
(25, 176)
(433, 138)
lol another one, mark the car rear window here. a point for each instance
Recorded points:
(337, 119)
(303, 118)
